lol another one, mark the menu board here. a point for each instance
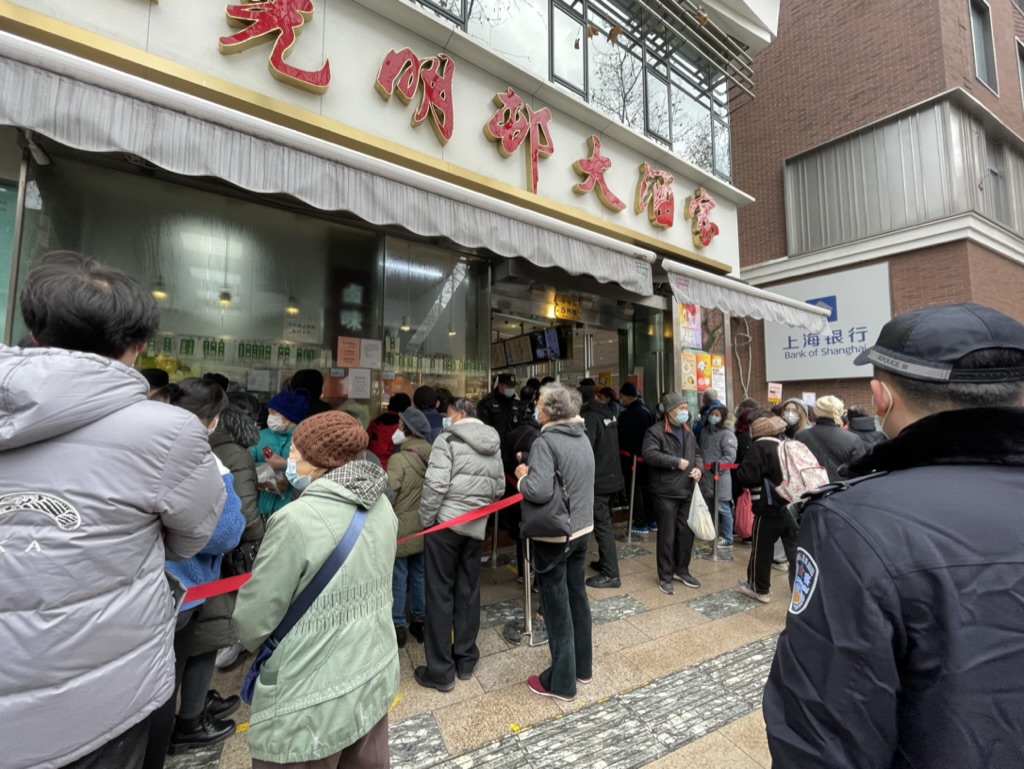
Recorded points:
(498, 357)
(519, 350)
(555, 350)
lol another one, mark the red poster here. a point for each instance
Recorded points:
(703, 371)
(348, 352)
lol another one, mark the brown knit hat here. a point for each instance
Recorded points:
(765, 427)
(330, 439)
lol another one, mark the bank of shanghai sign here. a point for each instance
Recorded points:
(859, 305)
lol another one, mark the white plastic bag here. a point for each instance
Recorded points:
(700, 518)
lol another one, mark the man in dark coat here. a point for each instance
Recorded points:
(634, 421)
(863, 426)
(500, 408)
(602, 430)
(833, 447)
(312, 381)
(903, 644)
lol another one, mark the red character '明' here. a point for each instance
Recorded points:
(654, 194)
(593, 169)
(404, 72)
(698, 211)
(513, 123)
(283, 20)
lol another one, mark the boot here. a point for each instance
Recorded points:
(416, 629)
(199, 733)
(400, 635)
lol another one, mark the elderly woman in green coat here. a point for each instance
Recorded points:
(321, 700)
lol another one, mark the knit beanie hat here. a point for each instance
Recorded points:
(767, 427)
(830, 407)
(293, 405)
(330, 439)
(796, 401)
(671, 400)
(416, 422)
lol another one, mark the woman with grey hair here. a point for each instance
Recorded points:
(557, 482)
(464, 473)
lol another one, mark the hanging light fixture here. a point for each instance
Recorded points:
(406, 324)
(158, 289)
(451, 329)
(292, 306)
(224, 298)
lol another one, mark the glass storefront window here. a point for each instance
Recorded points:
(659, 118)
(691, 129)
(568, 47)
(512, 28)
(616, 73)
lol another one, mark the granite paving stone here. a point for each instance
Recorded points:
(416, 743)
(743, 671)
(722, 604)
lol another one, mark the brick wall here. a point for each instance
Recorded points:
(996, 281)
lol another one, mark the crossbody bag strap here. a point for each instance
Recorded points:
(423, 459)
(325, 574)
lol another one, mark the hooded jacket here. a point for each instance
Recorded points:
(563, 446)
(280, 444)
(464, 473)
(602, 429)
(718, 444)
(865, 429)
(761, 472)
(335, 674)
(636, 419)
(98, 486)
(406, 471)
(832, 446)
(908, 647)
(662, 452)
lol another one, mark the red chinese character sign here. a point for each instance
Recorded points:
(404, 72)
(282, 21)
(593, 169)
(654, 195)
(514, 123)
(698, 211)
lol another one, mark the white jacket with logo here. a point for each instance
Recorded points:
(97, 486)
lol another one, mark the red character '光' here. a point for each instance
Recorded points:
(282, 19)
(593, 169)
(654, 193)
(513, 123)
(698, 211)
(403, 71)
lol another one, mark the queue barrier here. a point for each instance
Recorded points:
(231, 584)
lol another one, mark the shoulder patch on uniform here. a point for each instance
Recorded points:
(805, 582)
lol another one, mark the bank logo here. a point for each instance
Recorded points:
(58, 510)
(829, 303)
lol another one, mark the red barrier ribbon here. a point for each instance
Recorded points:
(231, 584)
(631, 456)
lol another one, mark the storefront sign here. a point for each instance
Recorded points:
(401, 70)
(690, 326)
(515, 122)
(698, 211)
(567, 308)
(654, 195)
(774, 393)
(859, 305)
(593, 168)
(280, 21)
(301, 329)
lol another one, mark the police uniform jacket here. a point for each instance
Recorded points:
(635, 420)
(904, 643)
(602, 430)
(500, 412)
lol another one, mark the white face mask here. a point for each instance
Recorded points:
(791, 417)
(277, 423)
(213, 426)
(446, 422)
(298, 482)
(888, 411)
(398, 437)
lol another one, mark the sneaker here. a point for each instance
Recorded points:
(641, 530)
(666, 587)
(746, 589)
(724, 544)
(422, 678)
(595, 565)
(781, 566)
(687, 579)
(602, 580)
(464, 674)
(229, 655)
(584, 680)
(521, 579)
(416, 630)
(538, 688)
(654, 526)
(400, 636)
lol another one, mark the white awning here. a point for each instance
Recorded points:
(91, 107)
(690, 286)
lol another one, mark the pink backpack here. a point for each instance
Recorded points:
(800, 470)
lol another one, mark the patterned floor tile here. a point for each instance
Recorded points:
(608, 736)
(722, 604)
(416, 743)
(202, 758)
(615, 608)
(743, 671)
(497, 614)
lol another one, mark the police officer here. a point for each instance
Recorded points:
(904, 643)
(500, 408)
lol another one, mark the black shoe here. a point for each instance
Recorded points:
(666, 587)
(416, 630)
(199, 733)
(422, 678)
(687, 579)
(602, 580)
(464, 674)
(400, 636)
(595, 565)
(220, 707)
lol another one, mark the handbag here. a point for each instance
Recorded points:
(700, 518)
(306, 598)
(744, 522)
(536, 524)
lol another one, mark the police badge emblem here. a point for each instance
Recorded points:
(805, 581)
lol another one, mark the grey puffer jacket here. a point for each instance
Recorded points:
(563, 446)
(464, 473)
(717, 444)
(98, 487)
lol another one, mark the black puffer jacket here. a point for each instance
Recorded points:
(662, 452)
(760, 471)
(634, 422)
(908, 646)
(603, 433)
(864, 428)
(833, 447)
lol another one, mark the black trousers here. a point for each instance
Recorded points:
(644, 513)
(163, 717)
(675, 538)
(563, 593)
(768, 529)
(125, 751)
(453, 603)
(606, 555)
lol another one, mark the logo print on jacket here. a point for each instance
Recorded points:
(61, 511)
(805, 581)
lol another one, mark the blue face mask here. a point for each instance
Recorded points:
(681, 417)
(714, 419)
(509, 392)
(446, 422)
(298, 482)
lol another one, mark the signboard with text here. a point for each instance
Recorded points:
(859, 305)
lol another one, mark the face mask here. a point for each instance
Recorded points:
(213, 426)
(398, 437)
(790, 417)
(298, 482)
(446, 422)
(277, 423)
(714, 419)
(661, 409)
(889, 411)
(509, 392)
(681, 417)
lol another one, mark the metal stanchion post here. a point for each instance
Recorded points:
(715, 555)
(528, 587)
(494, 542)
(632, 501)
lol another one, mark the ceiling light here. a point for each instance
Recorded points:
(406, 324)
(158, 289)
(292, 307)
(224, 298)
(451, 329)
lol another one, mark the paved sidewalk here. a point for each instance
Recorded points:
(677, 682)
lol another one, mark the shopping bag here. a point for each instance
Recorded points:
(743, 523)
(700, 518)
